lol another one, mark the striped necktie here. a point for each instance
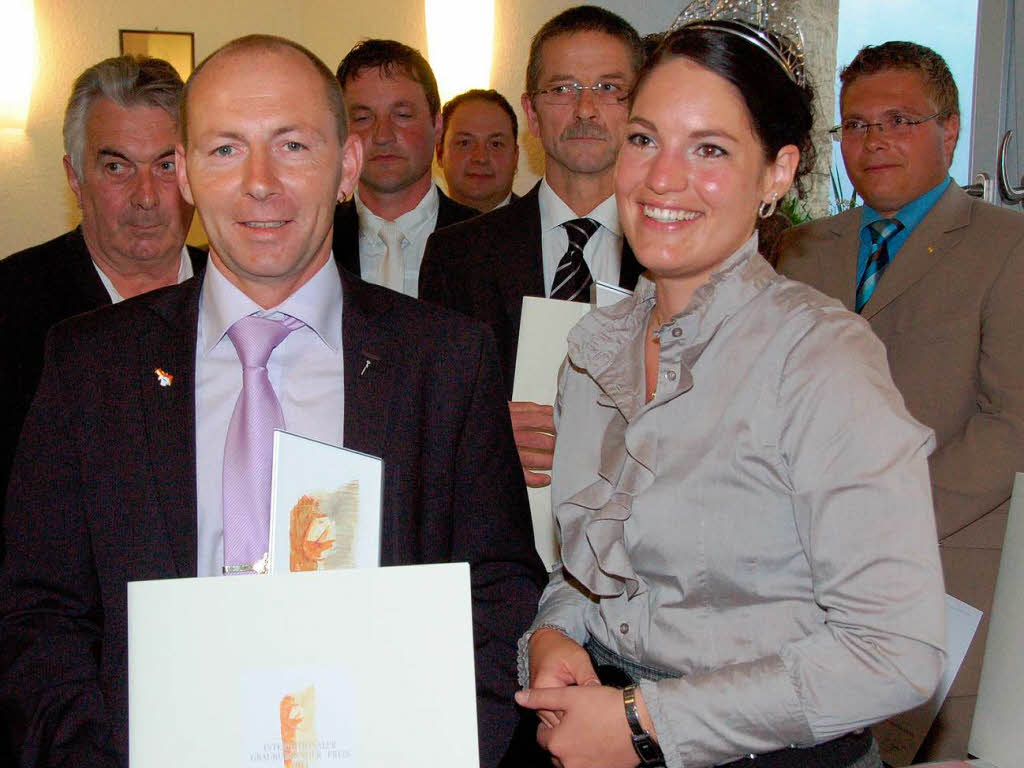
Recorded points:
(878, 259)
(572, 277)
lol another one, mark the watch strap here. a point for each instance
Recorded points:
(646, 748)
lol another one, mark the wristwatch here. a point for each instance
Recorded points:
(647, 749)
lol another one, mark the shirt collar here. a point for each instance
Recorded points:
(317, 303)
(184, 273)
(425, 211)
(909, 215)
(554, 212)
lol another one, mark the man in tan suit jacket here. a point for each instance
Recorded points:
(948, 308)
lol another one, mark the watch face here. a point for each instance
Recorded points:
(648, 751)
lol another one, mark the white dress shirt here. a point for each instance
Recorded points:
(603, 252)
(184, 273)
(416, 226)
(305, 371)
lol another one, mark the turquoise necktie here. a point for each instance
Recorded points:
(878, 259)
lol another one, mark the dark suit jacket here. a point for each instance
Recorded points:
(484, 267)
(103, 492)
(948, 310)
(39, 287)
(346, 227)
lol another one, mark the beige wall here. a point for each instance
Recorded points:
(35, 204)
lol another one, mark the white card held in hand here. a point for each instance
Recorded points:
(325, 507)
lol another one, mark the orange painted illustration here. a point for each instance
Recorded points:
(298, 733)
(322, 530)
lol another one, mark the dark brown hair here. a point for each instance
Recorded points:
(478, 94)
(780, 110)
(582, 18)
(390, 56)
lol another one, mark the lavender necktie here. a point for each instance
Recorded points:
(249, 448)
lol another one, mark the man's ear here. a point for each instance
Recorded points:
(438, 125)
(351, 167)
(179, 168)
(73, 181)
(950, 134)
(531, 115)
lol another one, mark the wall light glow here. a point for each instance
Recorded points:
(460, 42)
(17, 62)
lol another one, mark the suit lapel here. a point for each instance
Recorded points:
(450, 212)
(522, 250)
(345, 238)
(371, 352)
(940, 230)
(838, 263)
(167, 345)
(86, 290)
(629, 269)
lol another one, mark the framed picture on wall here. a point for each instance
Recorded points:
(176, 47)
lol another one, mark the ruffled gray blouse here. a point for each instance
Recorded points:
(763, 527)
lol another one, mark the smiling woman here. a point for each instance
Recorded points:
(747, 534)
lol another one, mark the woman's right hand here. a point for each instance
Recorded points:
(557, 661)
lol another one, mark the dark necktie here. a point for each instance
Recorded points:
(572, 277)
(878, 259)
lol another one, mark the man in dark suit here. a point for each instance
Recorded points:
(395, 110)
(120, 128)
(582, 63)
(943, 292)
(125, 447)
(479, 148)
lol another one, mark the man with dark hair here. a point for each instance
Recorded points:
(939, 276)
(132, 463)
(479, 148)
(564, 233)
(120, 128)
(394, 108)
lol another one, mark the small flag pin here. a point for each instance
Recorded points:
(164, 377)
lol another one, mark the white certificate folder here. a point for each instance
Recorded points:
(336, 669)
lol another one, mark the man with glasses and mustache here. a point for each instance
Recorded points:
(939, 276)
(564, 233)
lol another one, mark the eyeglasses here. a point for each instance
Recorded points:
(896, 125)
(567, 93)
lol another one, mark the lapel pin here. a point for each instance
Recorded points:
(163, 377)
(931, 249)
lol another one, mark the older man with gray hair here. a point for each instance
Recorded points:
(120, 128)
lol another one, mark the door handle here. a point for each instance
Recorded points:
(982, 187)
(1010, 193)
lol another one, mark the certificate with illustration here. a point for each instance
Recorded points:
(303, 670)
(325, 507)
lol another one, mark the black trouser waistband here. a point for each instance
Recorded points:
(838, 753)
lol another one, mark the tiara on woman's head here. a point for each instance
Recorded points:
(765, 23)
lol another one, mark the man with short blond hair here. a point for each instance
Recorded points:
(939, 276)
(138, 402)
